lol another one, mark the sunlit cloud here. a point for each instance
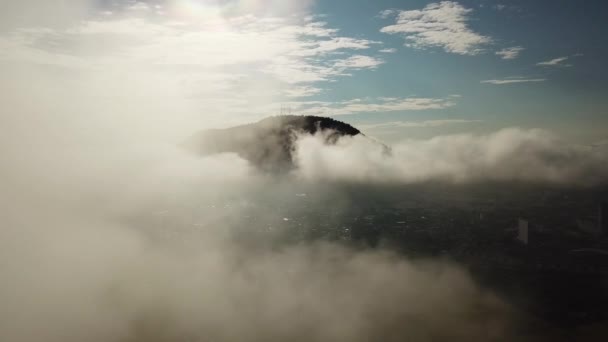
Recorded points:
(236, 59)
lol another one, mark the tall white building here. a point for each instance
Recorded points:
(522, 231)
(602, 218)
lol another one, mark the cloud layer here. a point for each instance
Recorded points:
(508, 155)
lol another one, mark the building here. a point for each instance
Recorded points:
(602, 218)
(523, 231)
(589, 226)
(596, 225)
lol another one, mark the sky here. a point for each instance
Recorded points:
(395, 69)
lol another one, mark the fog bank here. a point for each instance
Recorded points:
(511, 154)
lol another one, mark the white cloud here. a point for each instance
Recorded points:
(390, 50)
(372, 106)
(234, 68)
(387, 13)
(358, 62)
(510, 53)
(514, 81)
(441, 25)
(555, 62)
(511, 154)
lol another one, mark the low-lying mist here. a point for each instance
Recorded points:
(135, 240)
(112, 236)
(161, 252)
(511, 154)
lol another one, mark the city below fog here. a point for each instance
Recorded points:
(544, 248)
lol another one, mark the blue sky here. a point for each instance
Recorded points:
(571, 98)
(397, 69)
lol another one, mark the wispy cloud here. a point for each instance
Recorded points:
(417, 124)
(372, 105)
(139, 6)
(358, 62)
(387, 13)
(514, 80)
(555, 62)
(334, 44)
(235, 67)
(442, 25)
(303, 91)
(391, 50)
(510, 53)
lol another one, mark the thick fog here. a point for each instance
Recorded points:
(511, 154)
(106, 238)
(110, 232)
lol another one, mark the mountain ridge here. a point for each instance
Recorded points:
(269, 143)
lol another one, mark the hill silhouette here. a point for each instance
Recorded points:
(268, 144)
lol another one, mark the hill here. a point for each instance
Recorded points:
(269, 143)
